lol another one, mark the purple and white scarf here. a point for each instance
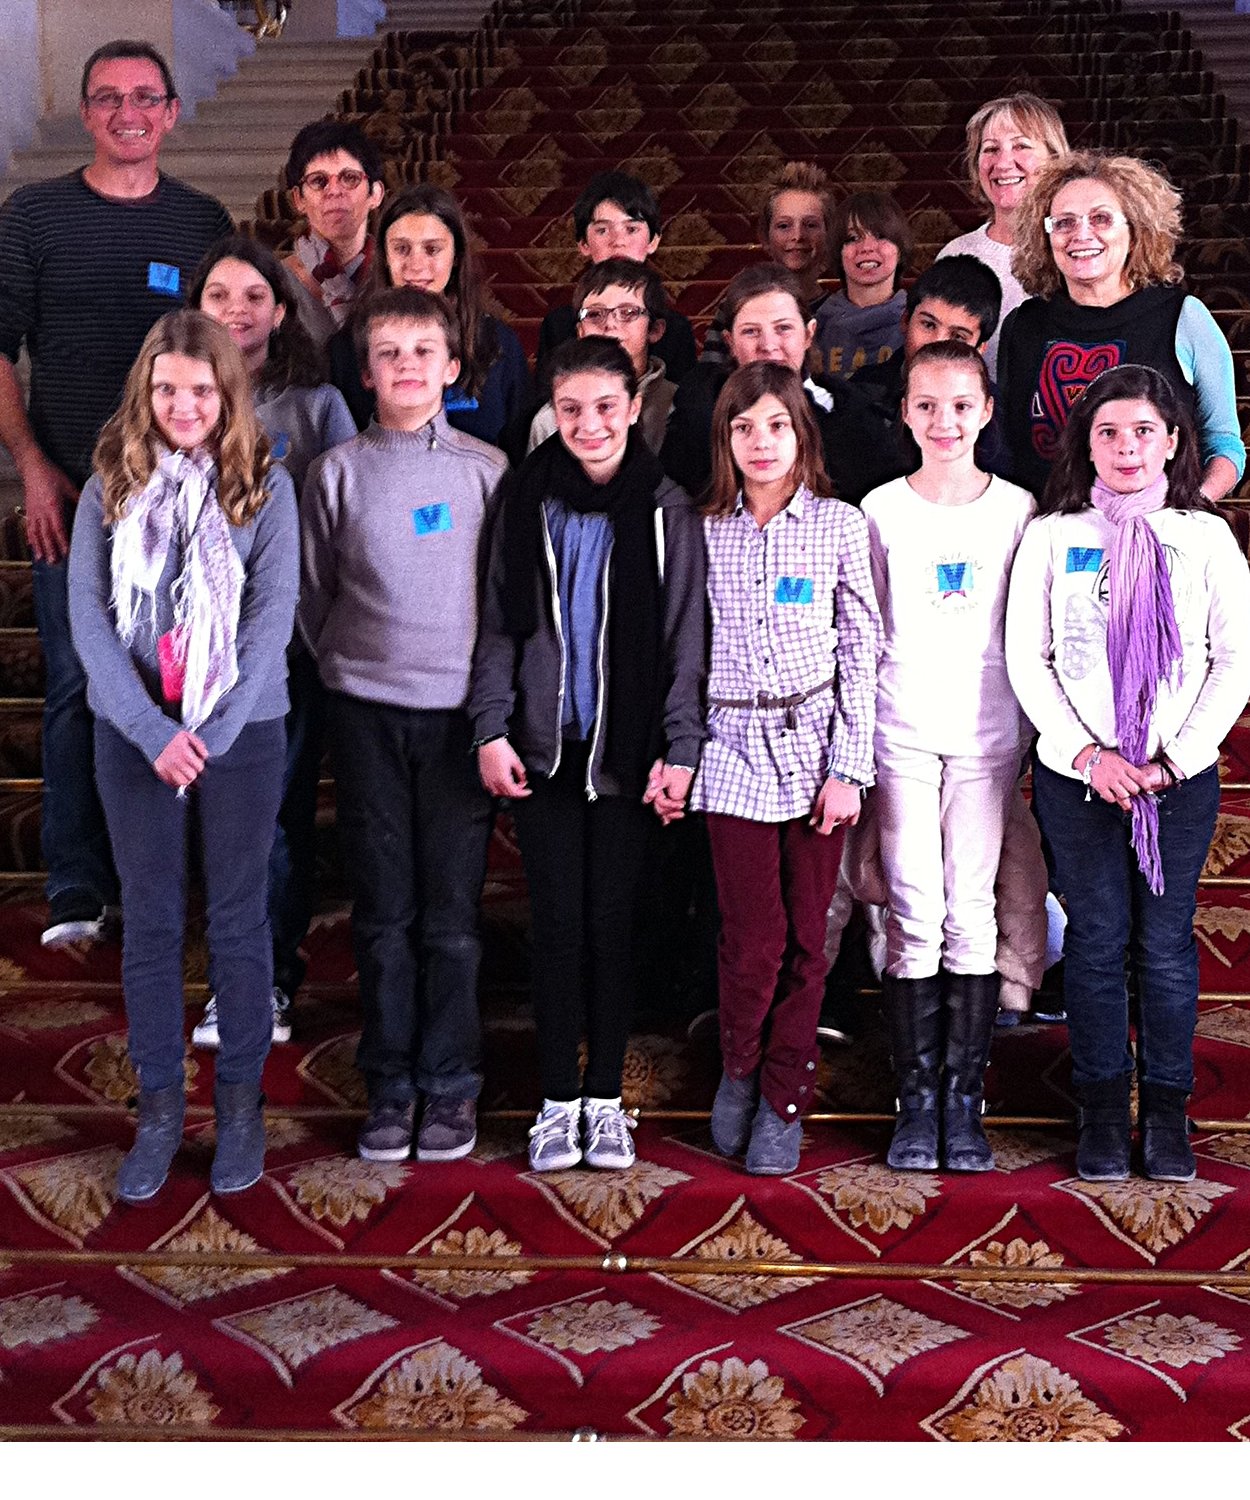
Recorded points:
(178, 505)
(1143, 642)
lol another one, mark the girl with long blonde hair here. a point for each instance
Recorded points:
(184, 569)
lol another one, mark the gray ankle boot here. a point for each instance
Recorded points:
(733, 1109)
(774, 1147)
(239, 1160)
(143, 1173)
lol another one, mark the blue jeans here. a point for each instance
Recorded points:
(415, 824)
(236, 800)
(74, 835)
(293, 859)
(1113, 916)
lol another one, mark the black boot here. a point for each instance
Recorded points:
(1102, 1118)
(159, 1134)
(913, 1012)
(971, 1006)
(239, 1160)
(1166, 1156)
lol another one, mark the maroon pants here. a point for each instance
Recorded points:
(775, 882)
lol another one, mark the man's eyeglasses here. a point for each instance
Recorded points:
(603, 317)
(1101, 221)
(349, 178)
(111, 99)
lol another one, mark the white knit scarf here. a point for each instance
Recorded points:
(178, 505)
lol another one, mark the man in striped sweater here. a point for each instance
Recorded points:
(88, 262)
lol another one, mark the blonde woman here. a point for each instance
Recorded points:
(1009, 140)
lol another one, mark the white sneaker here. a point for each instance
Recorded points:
(206, 1033)
(553, 1137)
(606, 1139)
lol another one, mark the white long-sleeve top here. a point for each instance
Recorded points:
(941, 574)
(1057, 637)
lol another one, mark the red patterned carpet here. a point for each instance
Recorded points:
(681, 1298)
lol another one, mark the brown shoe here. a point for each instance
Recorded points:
(448, 1128)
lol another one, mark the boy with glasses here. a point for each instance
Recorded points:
(624, 300)
(334, 174)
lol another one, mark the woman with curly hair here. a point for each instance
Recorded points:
(183, 573)
(1095, 241)
(1008, 140)
(422, 242)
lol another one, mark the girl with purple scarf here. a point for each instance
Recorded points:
(1128, 645)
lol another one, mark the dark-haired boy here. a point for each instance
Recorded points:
(617, 216)
(334, 173)
(624, 300)
(393, 526)
(958, 298)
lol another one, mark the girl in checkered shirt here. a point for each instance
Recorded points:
(791, 699)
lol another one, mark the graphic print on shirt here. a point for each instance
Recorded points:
(280, 446)
(429, 520)
(1067, 368)
(950, 581)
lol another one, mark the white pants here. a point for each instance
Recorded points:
(942, 821)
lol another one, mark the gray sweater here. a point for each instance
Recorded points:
(392, 528)
(124, 682)
(303, 421)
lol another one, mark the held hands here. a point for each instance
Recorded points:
(181, 761)
(45, 491)
(837, 804)
(667, 790)
(502, 770)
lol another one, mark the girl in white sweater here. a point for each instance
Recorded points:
(1128, 643)
(949, 742)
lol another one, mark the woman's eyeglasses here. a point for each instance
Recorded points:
(1101, 221)
(349, 178)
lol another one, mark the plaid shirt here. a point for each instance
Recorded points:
(792, 606)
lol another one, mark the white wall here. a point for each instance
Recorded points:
(19, 67)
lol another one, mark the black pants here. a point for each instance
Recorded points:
(415, 823)
(583, 862)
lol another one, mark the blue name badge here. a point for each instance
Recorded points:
(794, 591)
(953, 578)
(164, 279)
(429, 520)
(1084, 559)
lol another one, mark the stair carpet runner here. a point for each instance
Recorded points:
(678, 1298)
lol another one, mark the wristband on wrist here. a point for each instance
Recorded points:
(1087, 773)
(487, 739)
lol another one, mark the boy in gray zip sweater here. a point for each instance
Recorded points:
(393, 524)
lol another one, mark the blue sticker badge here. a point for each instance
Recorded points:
(429, 520)
(280, 445)
(164, 279)
(794, 591)
(1084, 559)
(954, 578)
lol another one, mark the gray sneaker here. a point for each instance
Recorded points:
(448, 1128)
(554, 1137)
(387, 1133)
(606, 1138)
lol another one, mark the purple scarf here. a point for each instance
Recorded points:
(1143, 642)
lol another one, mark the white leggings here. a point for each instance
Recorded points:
(942, 820)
